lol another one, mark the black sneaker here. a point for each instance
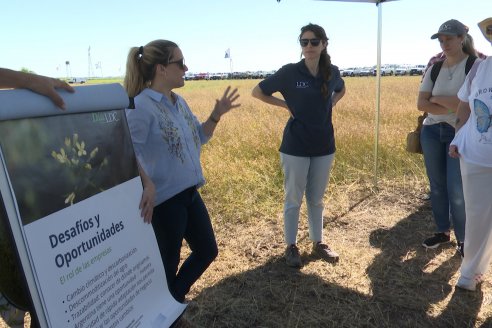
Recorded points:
(461, 249)
(438, 239)
(292, 256)
(325, 252)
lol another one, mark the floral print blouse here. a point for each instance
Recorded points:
(167, 140)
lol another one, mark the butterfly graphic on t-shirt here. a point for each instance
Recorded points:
(484, 119)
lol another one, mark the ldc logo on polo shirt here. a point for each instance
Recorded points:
(302, 85)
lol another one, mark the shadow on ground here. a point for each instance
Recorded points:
(410, 287)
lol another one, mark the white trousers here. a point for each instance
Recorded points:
(477, 190)
(304, 175)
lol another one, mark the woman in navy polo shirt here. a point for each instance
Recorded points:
(310, 88)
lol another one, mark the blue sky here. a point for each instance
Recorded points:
(261, 34)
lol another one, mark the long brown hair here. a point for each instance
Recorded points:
(141, 63)
(469, 46)
(324, 59)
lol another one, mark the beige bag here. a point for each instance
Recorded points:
(413, 137)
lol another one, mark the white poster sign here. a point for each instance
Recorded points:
(71, 191)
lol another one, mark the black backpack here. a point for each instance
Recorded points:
(437, 67)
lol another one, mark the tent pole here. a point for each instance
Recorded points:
(378, 96)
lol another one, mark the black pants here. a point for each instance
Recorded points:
(184, 216)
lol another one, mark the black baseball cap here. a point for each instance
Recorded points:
(451, 27)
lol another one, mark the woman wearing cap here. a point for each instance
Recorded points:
(439, 100)
(473, 145)
(167, 139)
(310, 88)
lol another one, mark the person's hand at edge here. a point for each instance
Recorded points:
(47, 86)
(43, 85)
(146, 205)
(453, 151)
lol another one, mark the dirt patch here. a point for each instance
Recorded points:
(385, 278)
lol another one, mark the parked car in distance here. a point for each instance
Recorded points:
(365, 71)
(401, 70)
(189, 76)
(417, 70)
(259, 74)
(80, 80)
(348, 71)
(385, 70)
(217, 76)
(357, 71)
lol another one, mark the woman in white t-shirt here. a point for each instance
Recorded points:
(439, 100)
(473, 145)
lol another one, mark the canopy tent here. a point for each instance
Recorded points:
(378, 81)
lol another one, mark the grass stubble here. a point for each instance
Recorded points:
(385, 278)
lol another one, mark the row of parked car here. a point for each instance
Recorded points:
(351, 71)
(228, 76)
(385, 70)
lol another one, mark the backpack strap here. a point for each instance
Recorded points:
(472, 72)
(131, 103)
(437, 67)
(469, 63)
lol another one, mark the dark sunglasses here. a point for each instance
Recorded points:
(305, 42)
(180, 62)
(488, 30)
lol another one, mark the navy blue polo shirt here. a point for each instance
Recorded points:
(310, 131)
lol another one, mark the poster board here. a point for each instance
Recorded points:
(71, 190)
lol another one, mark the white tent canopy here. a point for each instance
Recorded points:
(371, 1)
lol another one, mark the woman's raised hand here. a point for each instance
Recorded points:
(226, 103)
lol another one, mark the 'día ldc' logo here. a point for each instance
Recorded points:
(105, 117)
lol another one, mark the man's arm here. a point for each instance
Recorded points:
(43, 85)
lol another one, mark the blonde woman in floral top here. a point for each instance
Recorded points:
(167, 138)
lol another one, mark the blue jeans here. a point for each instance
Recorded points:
(445, 179)
(184, 216)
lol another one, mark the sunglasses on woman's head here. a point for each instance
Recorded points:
(305, 42)
(180, 62)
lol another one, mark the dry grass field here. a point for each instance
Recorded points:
(385, 278)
